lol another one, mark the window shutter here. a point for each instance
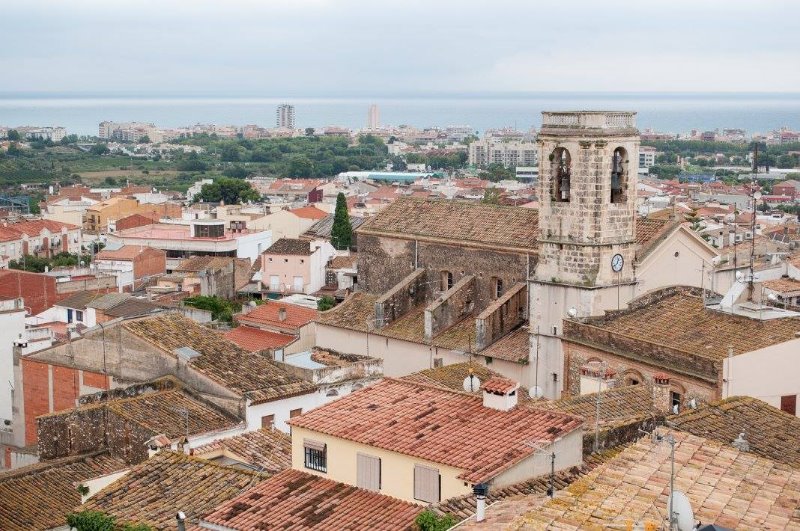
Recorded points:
(314, 445)
(426, 484)
(368, 472)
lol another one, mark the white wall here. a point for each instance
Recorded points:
(12, 324)
(766, 374)
(281, 410)
(252, 245)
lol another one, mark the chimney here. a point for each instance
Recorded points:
(480, 490)
(662, 401)
(741, 444)
(500, 394)
(282, 314)
(180, 520)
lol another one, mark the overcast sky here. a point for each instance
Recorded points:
(327, 47)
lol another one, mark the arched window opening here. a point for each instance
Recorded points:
(497, 287)
(632, 377)
(446, 281)
(561, 171)
(619, 175)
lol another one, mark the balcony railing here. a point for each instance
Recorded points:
(593, 119)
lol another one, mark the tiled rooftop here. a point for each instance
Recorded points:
(471, 222)
(108, 301)
(297, 500)
(353, 313)
(40, 496)
(199, 263)
(268, 314)
(499, 385)
(467, 222)
(126, 252)
(154, 490)
(243, 372)
(80, 299)
(726, 487)
(255, 339)
(452, 377)
(323, 227)
(433, 423)
(616, 404)
(465, 506)
(511, 347)
(680, 321)
(133, 307)
(268, 449)
(309, 212)
(290, 246)
(783, 285)
(770, 432)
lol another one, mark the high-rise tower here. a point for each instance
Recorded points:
(284, 116)
(373, 117)
(588, 164)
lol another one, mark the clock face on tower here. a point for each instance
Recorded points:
(617, 262)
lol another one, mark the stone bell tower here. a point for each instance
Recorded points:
(588, 166)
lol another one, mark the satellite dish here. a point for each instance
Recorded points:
(536, 392)
(682, 511)
(472, 384)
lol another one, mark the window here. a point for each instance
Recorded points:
(438, 362)
(70, 317)
(497, 287)
(316, 455)
(274, 283)
(632, 377)
(447, 280)
(298, 283)
(789, 404)
(427, 484)
(560, 172)
(270, 259)
(268, 421)
(295, 412)
(79, 315)
(675, 401)
(368, 472)
(619, 175)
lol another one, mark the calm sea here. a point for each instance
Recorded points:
(663, 112)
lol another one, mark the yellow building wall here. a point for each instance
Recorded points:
(397, 470)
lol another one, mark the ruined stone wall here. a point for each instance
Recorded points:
(405, 295)
(452, 306)
(576, 355)
(502, 316)
(384, 261)
(623, 433)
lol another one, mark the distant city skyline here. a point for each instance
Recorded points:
(288, 48)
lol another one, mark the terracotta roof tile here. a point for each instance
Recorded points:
(499, 385)
(465, 506)
(255, 339)
(154, 490)
(452, 377)
(617, 404)
(433, 423)
(268, 315)
(511, 347)
(246, 373)
(200, 263)
(309, 212)
(770, 432)
(40, 496)
(783, 285)
(467, 222)
(290, 246)
(726, 487)
(297, 500)
(681, 321)
(80, 299)
(126, 252)
(268, 449)
(471, 222)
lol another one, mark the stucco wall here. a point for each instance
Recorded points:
(766, 374)
(397, 470)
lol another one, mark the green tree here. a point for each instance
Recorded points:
(99, 149)
(110, 181)
(309, 131)
(14, 150)
(68, 139)
(491, 196)
(221, 309)
(300, 166)
(398, 164)
(99, 521)
(232, 191)
(144, 140)
(326, 302)
(230, 153)
(342, 230)
(13, 135)
(428, 520)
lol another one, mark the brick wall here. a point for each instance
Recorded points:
(38, 291)
(149, 262)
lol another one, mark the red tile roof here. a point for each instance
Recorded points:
(309, 212)
(126, 252)
(499, 385)
(298, 500)
(14, 231)
(255, 340)
(268, 449)
(267, 315)
(438, 425)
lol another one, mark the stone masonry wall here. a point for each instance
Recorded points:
(502, 316)
(408, 293)
(452, 306)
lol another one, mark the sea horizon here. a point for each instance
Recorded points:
(673, 112)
